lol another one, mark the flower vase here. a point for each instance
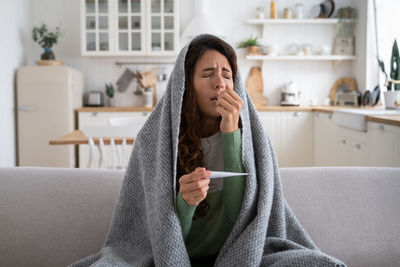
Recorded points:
(392, 99)
(48, 54)
(111, 102)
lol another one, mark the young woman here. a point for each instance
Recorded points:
(209, 139)
(170, 213)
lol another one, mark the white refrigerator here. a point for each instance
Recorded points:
(47, 97)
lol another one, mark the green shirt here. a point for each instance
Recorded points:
(206, 235)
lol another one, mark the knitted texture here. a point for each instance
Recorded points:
(145, 229)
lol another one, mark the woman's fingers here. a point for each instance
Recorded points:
(230, 101)
(193, 198)
(193, 186)
(197, 174)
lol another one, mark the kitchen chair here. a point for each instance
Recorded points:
(98, 157)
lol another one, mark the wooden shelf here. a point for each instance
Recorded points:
(309, 58)
(297, 21)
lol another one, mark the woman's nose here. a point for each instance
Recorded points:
(220, 83)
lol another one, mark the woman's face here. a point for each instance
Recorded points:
(212, 75)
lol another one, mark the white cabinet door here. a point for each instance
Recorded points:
(129, 30)
(353, 148)
(325, 140)
(162, 27)
(382, 140)
(296, 139)
(270, 122)
(344, 151)
(96, 27)
(129, 27)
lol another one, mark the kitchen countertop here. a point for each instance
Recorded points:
(387, 119)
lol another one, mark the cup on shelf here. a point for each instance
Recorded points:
(326, 50)
(307, 49)
(298, 11)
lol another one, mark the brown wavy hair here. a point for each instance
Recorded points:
(190, 155)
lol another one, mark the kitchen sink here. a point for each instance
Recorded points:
(355, 118)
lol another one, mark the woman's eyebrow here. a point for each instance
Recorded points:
(211, 69)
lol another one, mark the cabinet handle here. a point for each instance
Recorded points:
(297, 114)
(27, 108)
(94, 114)
(317, 114)
(330, 116)
(343, 141)
(144, 113)
(381, 127)
(358, 146)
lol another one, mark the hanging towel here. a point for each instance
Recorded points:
(124, 81)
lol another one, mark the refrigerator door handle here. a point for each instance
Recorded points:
(27, 108)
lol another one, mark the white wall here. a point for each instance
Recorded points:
(15, 18)
(313, 78)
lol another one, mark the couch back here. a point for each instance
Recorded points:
(53, 216)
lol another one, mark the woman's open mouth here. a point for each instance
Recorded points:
(214, 99)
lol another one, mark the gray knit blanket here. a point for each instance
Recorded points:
(145, 229)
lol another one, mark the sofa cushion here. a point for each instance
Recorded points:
(350, 213)
(53, 216)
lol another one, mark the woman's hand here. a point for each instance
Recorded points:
(194, 186)
(229, 105)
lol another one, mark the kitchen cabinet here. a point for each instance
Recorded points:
(353, 148)
(296, 139)
(270, 122)
(291, 134)
(325, 140)
(129, 27)
(383, 143)
(88, 119)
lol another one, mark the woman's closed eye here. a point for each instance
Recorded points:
(207, 75)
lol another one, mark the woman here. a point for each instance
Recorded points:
(210, 137)
(170, 213)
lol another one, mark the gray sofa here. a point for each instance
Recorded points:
(52, 216)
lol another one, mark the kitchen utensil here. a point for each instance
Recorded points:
(290, 95)
(260, 12)
(94, 98)
(347, 98)
(332, 8)
(375, 95)
(343, 84)
(367, 98)
(287, 13)
(273, 10)
(148, 98)
(315, 11)
(255, 86)
(298, 11)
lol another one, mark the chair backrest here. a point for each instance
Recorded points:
(116, 156)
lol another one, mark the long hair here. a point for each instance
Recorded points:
(190, 155)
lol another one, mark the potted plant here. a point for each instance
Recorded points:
(392, 83)
(110, 91)
(252, 45)
(46, 39)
